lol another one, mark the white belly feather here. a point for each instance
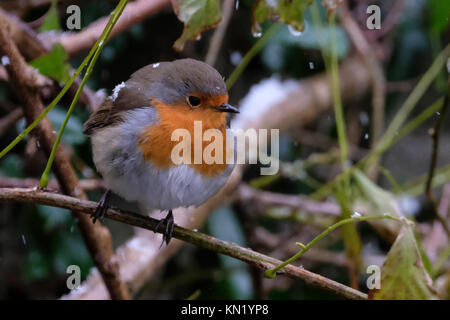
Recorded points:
(124, 170)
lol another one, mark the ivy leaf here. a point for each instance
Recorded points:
(403, 276)
(51, 21)
(53, 64)
(287, 11)
(197, 16)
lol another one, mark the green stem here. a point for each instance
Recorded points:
(417, 121)
(394, 184)
(413, 98)
(97, 49)
(339, 114)
(272, 272)
(250, 54)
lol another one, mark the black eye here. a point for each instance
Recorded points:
(194, 101)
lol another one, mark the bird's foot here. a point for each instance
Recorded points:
(102, 207)
(167, 223)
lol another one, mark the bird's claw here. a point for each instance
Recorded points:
(168, 223)
(102, 207)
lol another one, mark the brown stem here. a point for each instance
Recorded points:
(10, 119)
(435, 134)
(303, 203)
(219, 33)
(262, 261)
(97, 237)
(134, 12)
(84, 184)
(367, 53)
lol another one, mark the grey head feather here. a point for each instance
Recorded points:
(168, 82)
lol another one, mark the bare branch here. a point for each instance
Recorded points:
(219, 33)
(133, 13)
(230, 249)
(266, 198)
(10, 119)
(85, 184)
(435, 134)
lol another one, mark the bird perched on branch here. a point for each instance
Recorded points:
(132, 137)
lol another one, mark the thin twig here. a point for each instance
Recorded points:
(10, 119)
(84, 184)
(266, 198)
(435, 134)
(264, 262)
(135, 12)
(219, 33)
(367, 53)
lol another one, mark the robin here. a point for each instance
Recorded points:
(131, 136)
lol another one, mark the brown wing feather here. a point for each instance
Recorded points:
(104, 116)
(131, 96)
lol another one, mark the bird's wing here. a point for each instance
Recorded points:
(126, 96)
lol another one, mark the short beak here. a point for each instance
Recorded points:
(227, 108)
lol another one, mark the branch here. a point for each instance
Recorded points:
(263, 262)
(134, 12)
(84, 184)
(434, 237)
(10, 119)
(97, 237)
(435, 134)
(303, 203)
(367, 53)
(219, 33)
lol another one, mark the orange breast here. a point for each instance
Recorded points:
(156, 142)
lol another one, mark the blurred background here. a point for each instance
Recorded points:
(37, 243)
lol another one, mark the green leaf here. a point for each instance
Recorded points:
(403, 276)
(286, 11)
(53, 64)
(197, 16)
(375, 201)
(439, 15)
(51, 21)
